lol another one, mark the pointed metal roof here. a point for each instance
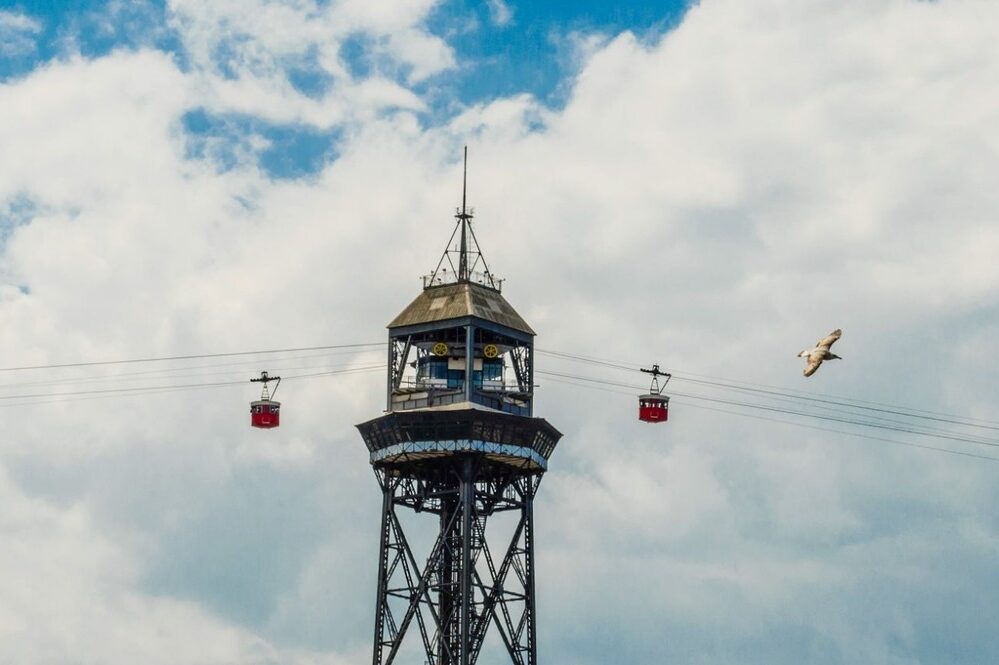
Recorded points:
(469, 289)
(456, 301)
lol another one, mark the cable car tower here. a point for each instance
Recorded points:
(458, 445)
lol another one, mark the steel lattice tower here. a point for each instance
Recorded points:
(458, 443)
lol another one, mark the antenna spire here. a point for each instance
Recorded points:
(470, 265)
(464, 217)
(464, 183)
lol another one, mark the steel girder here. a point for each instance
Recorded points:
(462, 587)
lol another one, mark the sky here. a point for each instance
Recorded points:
(709, 186)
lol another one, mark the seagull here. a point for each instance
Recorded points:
(820, 352)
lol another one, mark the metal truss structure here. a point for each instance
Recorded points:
(458, 448)
(462, 586)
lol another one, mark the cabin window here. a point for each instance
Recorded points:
(492, 370)
(435, 370)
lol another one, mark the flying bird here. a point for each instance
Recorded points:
(820, 352)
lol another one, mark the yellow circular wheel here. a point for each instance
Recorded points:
(490, 351)
(440, 349)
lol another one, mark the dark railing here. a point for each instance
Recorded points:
(445, 277)
(422, 394)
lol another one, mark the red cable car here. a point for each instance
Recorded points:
(265, 413)
(654, 407)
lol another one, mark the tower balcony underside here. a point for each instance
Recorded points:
(423, 438)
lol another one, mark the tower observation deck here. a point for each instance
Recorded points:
(458, 444)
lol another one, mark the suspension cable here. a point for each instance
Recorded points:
(775, 409)
(189, 357)
(788, 394)
(858, 435)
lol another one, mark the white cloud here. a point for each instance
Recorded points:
(243, 55)
(500, 13)
(70, 594)
(711, 201)
(17, 33)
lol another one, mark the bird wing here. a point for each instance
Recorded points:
(814, 360)
(828, 340)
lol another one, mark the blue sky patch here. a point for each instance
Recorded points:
(528, 53)
(14, 213)
(280, 151)
(356, 53)
(502, 47)
(308, 78)
(91, 28)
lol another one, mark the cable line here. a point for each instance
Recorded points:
(858, 435)
(171, 372)
(142, 389)
(777, 391)
(774, 391)
(907, 430)
(180, 368)
(189, 357)
(858, 413)
(160, 390)
(837, 403)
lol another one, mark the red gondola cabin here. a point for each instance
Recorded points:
(653, 408)
(265, 413)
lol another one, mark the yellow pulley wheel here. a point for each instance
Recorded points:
(490, 351)
(440, 349)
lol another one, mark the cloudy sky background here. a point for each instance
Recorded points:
(710, 187)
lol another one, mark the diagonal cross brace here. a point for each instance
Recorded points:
(421, 592)
(495, 593)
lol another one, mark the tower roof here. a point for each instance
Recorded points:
(456, 301)
(469, 289)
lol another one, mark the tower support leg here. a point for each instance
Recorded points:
(381, 602)
(455, 598)
(467, 514)
(530, 607)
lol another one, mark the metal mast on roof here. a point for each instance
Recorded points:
(464, 218)
(468, 253)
